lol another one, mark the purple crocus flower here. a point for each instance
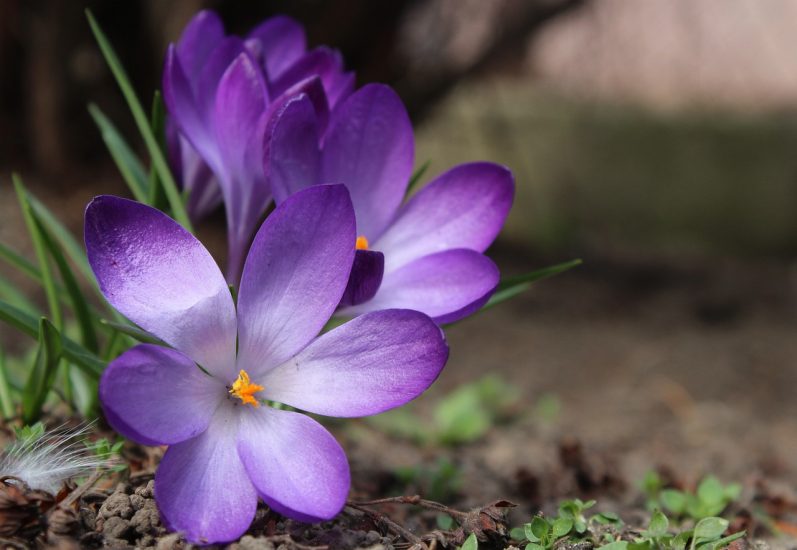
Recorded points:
(219, 91)
(227, 447)
(426, 254)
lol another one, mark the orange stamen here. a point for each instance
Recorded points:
(362, 243)
(244, 390)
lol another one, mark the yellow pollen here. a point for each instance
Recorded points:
(244, 390)
(362, 243)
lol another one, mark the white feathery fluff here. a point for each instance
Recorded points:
(48, 461)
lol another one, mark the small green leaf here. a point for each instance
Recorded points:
(143, 123)
(674, 501)
(126, 161)
(416, 177)
(539, 529)
(444, 522)
(658, 525)
(517, 533)
(43, 373)
(680, 540)
(723, 542)
(561, 527)
(534, 546)
(157, 194)
(471, 543)
(711, 491)
(616, 545)
(710, 528)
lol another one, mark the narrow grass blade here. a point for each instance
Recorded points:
(42, 376)
(513, 286)
(134, 332)
(157, 193)
(48, 282)
(126, 161)
(140, 117)
(80, 305)
(72, 247)
(72, 351)
(6, 401)
(416, 177)
(15, 260)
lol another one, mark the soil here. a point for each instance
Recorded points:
(683, 365)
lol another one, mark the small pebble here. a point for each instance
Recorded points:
(137, 501)
(116, 528)
(117, 504)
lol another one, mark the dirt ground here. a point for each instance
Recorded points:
(682, 364)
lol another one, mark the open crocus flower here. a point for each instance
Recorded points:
(425, 255)
(208, 396)
(219, 90)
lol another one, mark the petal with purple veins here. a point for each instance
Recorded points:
(370, 364)
(161, 277)
(463, 208)
(156, 395)
(298, 468)
(201, 487)
(294, 276)
(446, 286)
(369, 148)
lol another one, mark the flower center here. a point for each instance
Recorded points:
(245, 390)
(362, 243)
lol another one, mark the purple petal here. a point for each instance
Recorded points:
(373, 363)
(158, 396)
(369, 148)
(201, 487)
(366, 275)
(282, 42)
(298, 468)
(323, 62)
(446, 286)
(314, 89)
(204, 193)
(198, 40)
(207, 81)
(158, 275)
(462, 208)
(239, 123)
(293, 157)
(294, 276)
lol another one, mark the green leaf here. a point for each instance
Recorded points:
(561, 527)
(126, 161)
(674, 501)
(72, 351)
(460, 417)
(43, 373)
(538, 528)
(158, 124)
(12, 295)
(471, 543)
(6, 402)
(723, 542)
(513, 286)
(658, 525)
(680, 540)
(710, 528)
(444, 522)
(416, 177)
(616, 545)
(517, 533)
(534, 546)
(711, 491)
(48, 282)
(15, 260)
(134, 332)
(80, 305)
(143, 123)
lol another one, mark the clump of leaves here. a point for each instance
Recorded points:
(707, 534)
(570, 523)
(108, 452)
(463, 416)
(709, 499)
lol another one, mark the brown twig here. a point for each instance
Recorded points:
(78, 492)
(414, 500)
(287, 539)
(392, 525)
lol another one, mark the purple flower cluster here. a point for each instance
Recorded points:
(253, 120)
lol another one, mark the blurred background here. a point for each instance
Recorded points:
(655, 140)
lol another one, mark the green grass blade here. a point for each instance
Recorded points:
(513, 286)
(6, 402)
(80, 305)
(48, 282)
(42, 376)
(74, 352)
(134, 332)
(416, 177)
(15, 260)
(140, 117)
(126, 161)
(157, 194)
(72, 247)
